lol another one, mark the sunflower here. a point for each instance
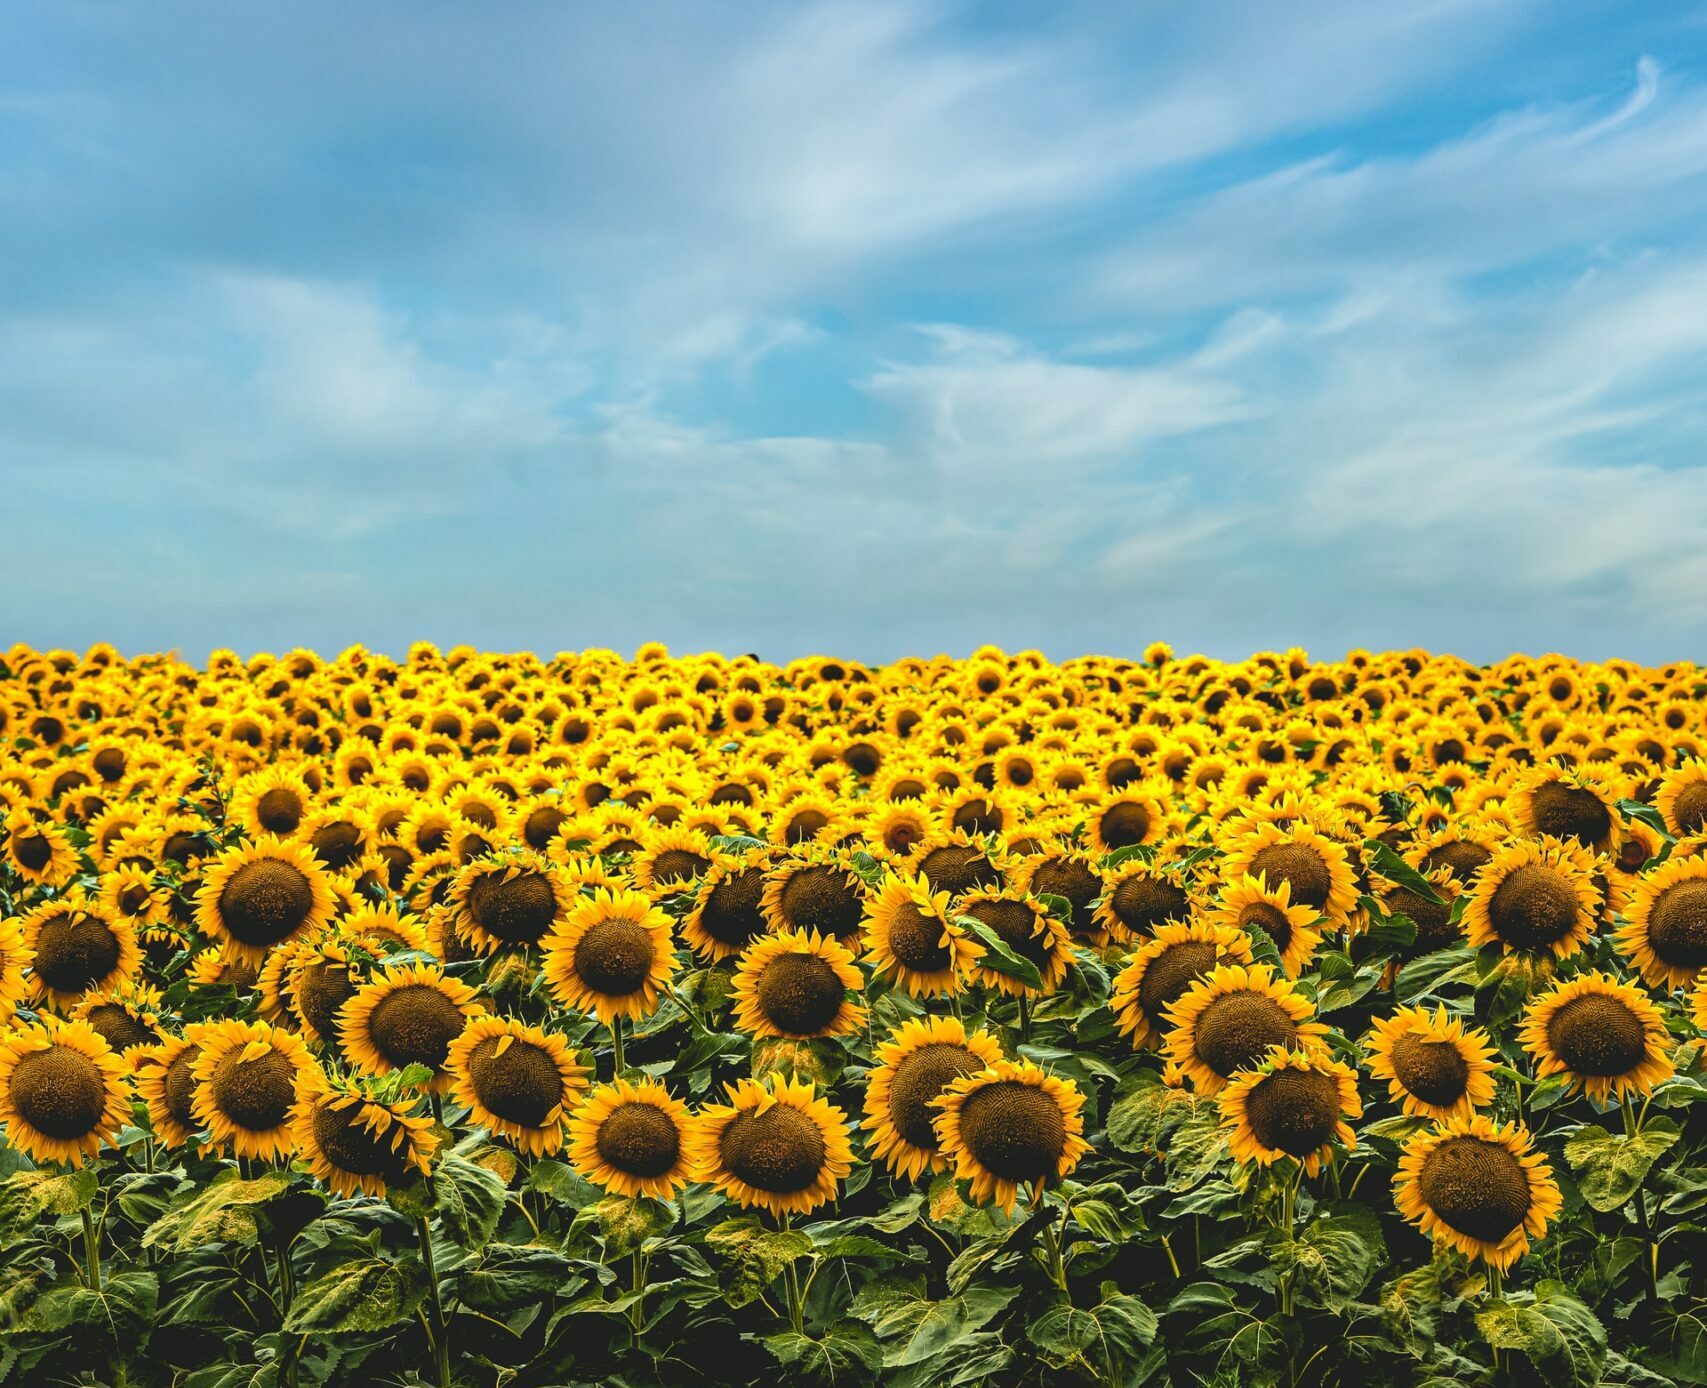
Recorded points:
(354, 1141)
(259, 895)
(799, 986)
(1291, 1104)
(899, 828)
(1578, 804)
(384, 930)
(633, 1140)
(270, 804)
(956, 863)
(1536, 895)
(519, 1082)
(1124, 819)
(671, 859)
(407, 1014)
(75, 948)
(1682, 799)
(1009, 1125)
(1071, 874)
(1477, 1186)
(775, 1146)
(127, 1017)
(1666, 933)
(129, 893)
(245, 1084)
(1249, 901)
(1139, 898)
(340, 837)
(1315, 867)
(610, 956)
(214, 968)
(920, 1057)
(166, 1083)
(1435, 1066)
(322, 977)
(15, 958)
(38, 851)
(1231, 1019)
(1159, 972)
(62, 1091)
(815, 889)
(509, 899)
(1605, 1036)
(1027, 930)
(911, 937)
(728, 912)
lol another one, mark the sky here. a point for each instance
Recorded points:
(877, 328)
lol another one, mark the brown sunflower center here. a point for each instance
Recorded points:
(180, 1087)
(1170, 973)
(337, 844)
(675, 865)
(520, 1086)
(1689, 809)
(1014, 921)
(1533, 907)
(33, 851)
(59, 1092)
(541, 826)
(1238, 1029)
(1434, 1071)
(978, 817)
(732, 914)
(1595, 1034)
(805, 825)
(351, 1147)
(779, 1151)
(1271, 919)
(800, 994)
(109, 763)
(1677, 924)
(1143, 902)
(1123, 824)
(639, 1139)
(414, 1025)
(1294, 1111)
(918, 1078)
(1072, 880)
(1433, 922)
(183, 846)
(254, 1094)
(1477, 1187)
(321, 989)
(74, 953)
(119, 1028)
(517, 911)
(955, 868)
(1014, 1130)
(1463, 860)
(1299, 864)
(916, 940)
(1570, 812)
(824, 899)
(279, 810)
(266, 901)
(614, 957)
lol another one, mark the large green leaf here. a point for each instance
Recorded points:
(224, 1212)
(998, 958)
(913, 1326)
(1335, 1257)
(120, 1315)
(845, 1353)
(1106, 1338)
(367, 1294)
(27, 1195)
(1561, 1336)
(755, 1256)
(468, 1199)
(1610, 1166)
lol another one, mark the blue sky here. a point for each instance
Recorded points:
(870, 327)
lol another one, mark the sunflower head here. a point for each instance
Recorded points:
(815, 890)
(1478, 1187)
(407, 1014)
(1071, 874)
(776, 1146)
(1682, 799)
(957, 863)
(672, 859)
(633, 1140)
(1164, 967)
(245, 1084)
(1009, 1125)
(1665, 935)
(355, 1141)
(1028, 931)
(911, 937)
(1126, 817)
(1578, 805)
(259, 895)
(1605, 1036)
(1536, 896)
(127, 1017)
(1248, 902)
(1139, 898)
(1291, 1104)
(1230, 1020)
(518, 1081)
(508, 900)
(62, 1090)
(728, 912)
(611, 955)
(1435, 1066)
(920, 1058)
(165, 1080)
(75, 949)
(1315, 869)
(799, 986)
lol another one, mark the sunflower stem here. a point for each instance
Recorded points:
(440, 1336)
(617, 1059)
(91, 1252)
(636, 1312)
(1024, 1018)
(1173, 1262)
(1495, 1294)
(287, 1290)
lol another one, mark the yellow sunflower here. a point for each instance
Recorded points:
(1231, 1019)
(62, 1091)
(15, 958)
(1027, 930)
(1665, 935)
(671, 859)
(39, 851)
(518, 1081)
(1477, 1186)
(956, 863)
(775, 1146)
(1009, 1125)
(508, 899)
(1682, 799)
(1435, 1066)
(815, 889)
(1139, 898)
(1605, 1036)
(1125, 818)
(911, 937)
(407, 1014)
(127, 1016)
(633, 1140)
(166, 1083)
(1163, 968)
(919, 1058)
(1071, 874)
(1534, 896)
(611, 956)
(259, 895)
(799, 986)
(270, 803)
(1291, 1104)
(245, 1084)
(728, 909)
(1247, 901)
(354, 1142)
(75, 949)
(1315, 868)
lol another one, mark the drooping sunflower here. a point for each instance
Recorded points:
(245, 1085)
(15, 957)
(39, 851)
(1534, 896)
(671, 859)
(355, 1142)
(1434, 1065)
(75, 948)
(911, 936)
(611, 956)
(1290, 1104)
(1249, 901)
(815, 889)
(1071, 874)
(1477, 1186)
(1605, 1036)
(633, 1140)
(798, 985)
(1682, 798)
(511, 899)
(407, 1014)
(956, 863)
(1139, 898)
(1230, 1020)
(214, 968)
(166, 1083)
(1009, 1125)
(1163, 968)
(1665, 935)
(728, 912)
(1316, 868)
(324, 974)
(775, 1146)
(259, 895)
(1578, 804)
(62, 1090)
(1027, 930)
(898, 828)
(127, 1017)
(918, 1060)
(518, 1081)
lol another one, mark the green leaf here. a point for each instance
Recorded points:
(224, 1212)
(1610, 1166)
(1561, 1336)
(913, 1326)
(1136, 1116)
(27, 1195)
(1386, 861)
(562, 1185)
(1336, 1256)
(1425, 976)
(121, 1314)
(367, 1294)
(755, 1255)
(468, 1199)
(627, 1224)
(998, 958)
(846, 1353)
(1108, 1338)
(1195, 1149)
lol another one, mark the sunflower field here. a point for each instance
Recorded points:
(486, 1020)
